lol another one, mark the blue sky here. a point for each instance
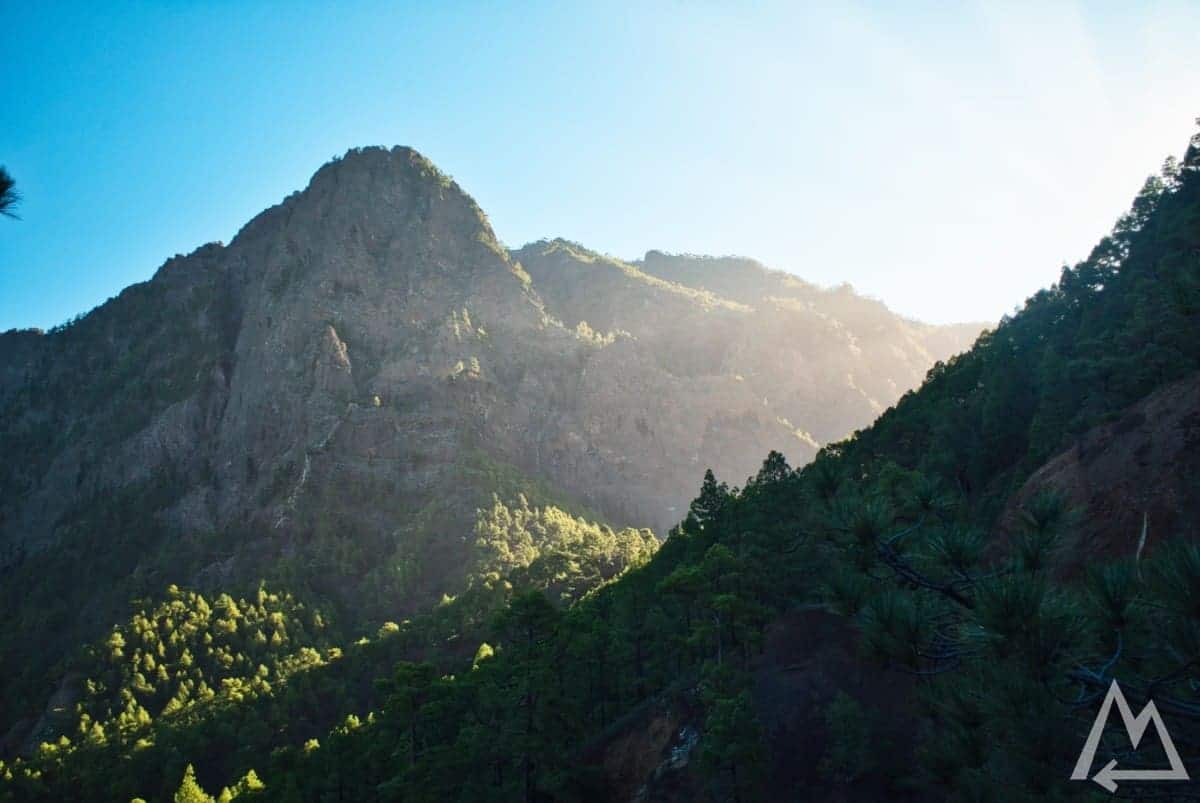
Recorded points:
(947, 159)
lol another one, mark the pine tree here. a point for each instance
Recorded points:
(9, 197)
(189, 790)
(711, 501)
(774, 469)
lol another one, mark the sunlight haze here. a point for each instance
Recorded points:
(945, 160)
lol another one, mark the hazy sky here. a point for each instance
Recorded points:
(946, 160)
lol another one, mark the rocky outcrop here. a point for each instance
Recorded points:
(811, 661)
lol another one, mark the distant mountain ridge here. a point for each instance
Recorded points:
(365, 364)
(749, 281)
(718, 317)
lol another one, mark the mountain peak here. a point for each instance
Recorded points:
(401, 162)
(379, 174)
(377, 195)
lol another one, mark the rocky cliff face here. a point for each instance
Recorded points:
(350, 357)
(245, 362)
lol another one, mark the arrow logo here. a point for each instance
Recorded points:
(1136, 728)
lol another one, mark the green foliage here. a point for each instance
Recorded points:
(187, 651)
(173, 669)
(548, 549)
(708, 505)
(732, 749)
(192, 674)
(189, 791)
(850, 748)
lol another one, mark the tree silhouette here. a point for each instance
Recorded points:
(9, 197)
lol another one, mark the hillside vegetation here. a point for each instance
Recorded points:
(999, 660)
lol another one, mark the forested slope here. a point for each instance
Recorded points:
(882, 544)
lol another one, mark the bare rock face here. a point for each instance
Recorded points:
(351, 363)
(330, 368)
(1141, 470)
